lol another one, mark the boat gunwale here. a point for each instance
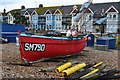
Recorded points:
(46, 37)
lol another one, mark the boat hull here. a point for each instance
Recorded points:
(34, 48)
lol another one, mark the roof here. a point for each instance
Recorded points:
(30, 10)
(14, 11)
(22, 11)
(64, 9)
(68, 8)
(100, 6)
(42, 10)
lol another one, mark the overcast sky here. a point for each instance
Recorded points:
(16, 4)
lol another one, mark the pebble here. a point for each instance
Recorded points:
(10, 55)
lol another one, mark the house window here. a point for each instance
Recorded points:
(10, 18)
(114, 17)
(47, 17)
(110, 16)
(59, 17)
(56, 18)
(90, 17)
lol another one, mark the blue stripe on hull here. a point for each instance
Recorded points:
(58, 38)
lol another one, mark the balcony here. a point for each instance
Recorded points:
(66, 23)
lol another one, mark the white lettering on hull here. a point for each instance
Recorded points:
(34, 47)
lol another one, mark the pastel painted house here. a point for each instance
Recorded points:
(43, 18)
(67, 18)
(10, 16)
(111, 10)
(28, 13)
(53, 18)
(34, 20)
(61, 17)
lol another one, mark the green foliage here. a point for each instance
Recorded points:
(97, 30)
(119, 41)
(100, 29)
(20, 19)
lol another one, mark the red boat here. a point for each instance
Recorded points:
(33, 48)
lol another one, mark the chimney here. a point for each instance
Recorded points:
(40, 5)
(22, 7)
(4, 10)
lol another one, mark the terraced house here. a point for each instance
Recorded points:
(53, 18)
(10, 15)
(23, 11)
(61, 17)
(111, 10)
(43, 18)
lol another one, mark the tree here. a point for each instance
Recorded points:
(100, 29)
(20, 19)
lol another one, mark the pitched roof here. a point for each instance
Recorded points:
(42, 10)
(22, 11)
(69, 8)
(14, 11)
(30, 10)
(64, 9)
(100, 6)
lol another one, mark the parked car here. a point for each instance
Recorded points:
(3, 40)
(52, 33)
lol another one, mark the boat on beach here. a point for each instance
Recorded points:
(33, 47)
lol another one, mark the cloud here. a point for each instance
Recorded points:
(6, 3)
(16, 4)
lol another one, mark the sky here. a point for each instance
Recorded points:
(16, 4)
